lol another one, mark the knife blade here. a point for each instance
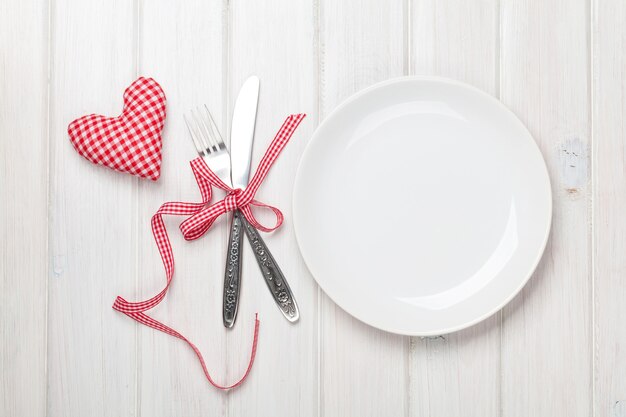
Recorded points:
(241, 138)
(242, 132)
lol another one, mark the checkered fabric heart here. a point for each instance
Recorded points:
(130, 142)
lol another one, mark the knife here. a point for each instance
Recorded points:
(242, 137)
(273, 276)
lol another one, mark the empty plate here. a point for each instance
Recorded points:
(422, 205)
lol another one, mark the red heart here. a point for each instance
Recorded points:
(130, 142)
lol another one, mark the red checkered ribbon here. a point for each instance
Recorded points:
(201, 217)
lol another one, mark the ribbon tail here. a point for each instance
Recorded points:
(273, 151)
(155, 324)
(136, 310)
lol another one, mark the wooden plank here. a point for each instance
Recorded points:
(546, 330)
(181, 46)
(23, 206)
(609, 204)
(275, 40)
(456, 39)
(363, 370)
(457, 374)
(92, 349)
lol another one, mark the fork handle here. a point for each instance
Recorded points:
(232, 275)
(272, 275)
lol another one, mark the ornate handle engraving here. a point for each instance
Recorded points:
(232, 275)
(272, 274)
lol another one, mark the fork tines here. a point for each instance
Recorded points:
(204, 132)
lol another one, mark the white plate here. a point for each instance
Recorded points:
(422, 205)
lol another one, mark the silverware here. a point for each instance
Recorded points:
(241, 140)
(208, 142)
(272, 274)
(211, 148)
(241, 137)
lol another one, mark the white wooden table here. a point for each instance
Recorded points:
(74, 235)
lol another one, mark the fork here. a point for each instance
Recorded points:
(209, 143)
(210, 146)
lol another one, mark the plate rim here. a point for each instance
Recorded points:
(449, 81)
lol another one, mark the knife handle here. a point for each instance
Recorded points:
(273, 276)
(232, 275)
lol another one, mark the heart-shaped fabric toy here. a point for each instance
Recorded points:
(130, 142)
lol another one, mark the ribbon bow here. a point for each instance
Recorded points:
(201, 218)
(197, 225)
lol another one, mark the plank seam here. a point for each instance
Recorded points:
(498, 88)
(408, 70)
(319, 71)
(48, 198)
(591, 57)
(136, 191)
(226, 79)
(408, 35)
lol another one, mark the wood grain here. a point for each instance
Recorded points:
(457, 39)
(546, 330)
(609, 206)
(181, 46)
(23, 207)
(359, 46)
(285, 377)
(76, 235)
(91, 349)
